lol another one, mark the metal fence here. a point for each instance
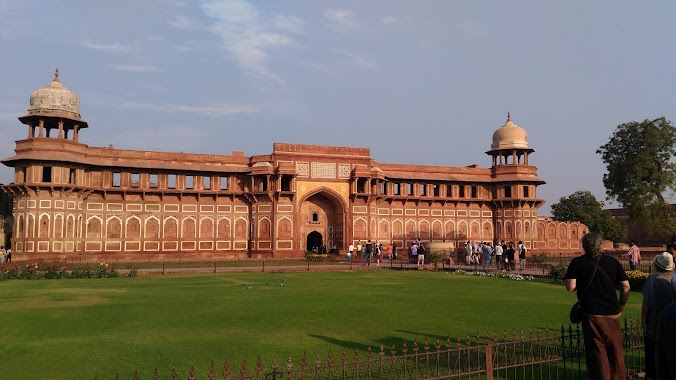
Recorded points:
(546, 354)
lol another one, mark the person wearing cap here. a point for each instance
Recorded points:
(658, 293)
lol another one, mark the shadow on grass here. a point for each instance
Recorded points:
(349, 346)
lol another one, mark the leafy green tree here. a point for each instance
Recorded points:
(583, 206)
(639, 159)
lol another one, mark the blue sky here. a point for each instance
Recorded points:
(423, 82)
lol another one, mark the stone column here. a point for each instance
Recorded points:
(31, 130)
(60, 135)
(76, 127)
(41, 128)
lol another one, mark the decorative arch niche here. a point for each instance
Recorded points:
(133, 230)
(188, 228)
(223, 228)
(152, 229)
(170, 228)
(114, 228)
(206, 228)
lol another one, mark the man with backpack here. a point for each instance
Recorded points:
(522, 255)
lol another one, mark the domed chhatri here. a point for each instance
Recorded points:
(510, 136)
(55, 100)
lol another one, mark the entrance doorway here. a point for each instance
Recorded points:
(321, 215)
(314, 241)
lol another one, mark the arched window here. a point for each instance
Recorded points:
(315, 217)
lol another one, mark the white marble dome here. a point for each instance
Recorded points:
(55, 100)
(510, 136)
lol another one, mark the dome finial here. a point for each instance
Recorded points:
(56, 74)
(509, 117)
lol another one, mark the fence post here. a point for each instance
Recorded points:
(308, 263)
(263, 265)
(214, 266)
(162, 268)
(489, 362)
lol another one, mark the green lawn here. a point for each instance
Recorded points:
(65, 329)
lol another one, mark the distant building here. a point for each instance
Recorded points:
(636, 232)
(71, 199)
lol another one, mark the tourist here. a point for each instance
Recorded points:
(509, 259)
(359, 248)
(421, 254)
(658, 293)
(389, 251)
(486, 256)
(3, 254)
(413, 253)
(634, 255)
(394, 250)
(598, 275)
(522, 255)
(349, 252)
(665, 350)
(468, 253)
(504, 252)
(369, 252)
(9, 255)
(671, 248)
(498, 256)
(377, 250)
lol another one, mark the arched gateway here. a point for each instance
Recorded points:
(322, 219)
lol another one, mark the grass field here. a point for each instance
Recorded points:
(65, 329)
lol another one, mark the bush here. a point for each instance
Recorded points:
(133, 272)
(540, 259)
(558, 272)
(636, 279)
(29, 272)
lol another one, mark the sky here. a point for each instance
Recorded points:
(417, 82)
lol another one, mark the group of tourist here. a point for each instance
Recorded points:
(503, 253)
(5, 255)
(595, 276)
(370, 250)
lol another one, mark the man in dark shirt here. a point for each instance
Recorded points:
(601, 307)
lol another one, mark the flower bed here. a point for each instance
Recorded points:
(51, 271)
(509, 275)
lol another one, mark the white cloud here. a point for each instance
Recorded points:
(339, 18)
(210, 110)
(181, 22)
(388, 20)
(116, 47)
(359, 60)
(134, 68)
(289, 24)
(238, 25)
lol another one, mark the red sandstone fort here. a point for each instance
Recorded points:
(72, 199)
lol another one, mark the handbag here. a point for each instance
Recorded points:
(576, 311)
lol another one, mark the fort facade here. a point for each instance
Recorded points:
(71, 199)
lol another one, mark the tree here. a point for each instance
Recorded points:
(641, 170)
(583, 206)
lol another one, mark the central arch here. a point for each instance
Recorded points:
(322, 211)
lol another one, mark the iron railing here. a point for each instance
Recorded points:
(545, 354)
